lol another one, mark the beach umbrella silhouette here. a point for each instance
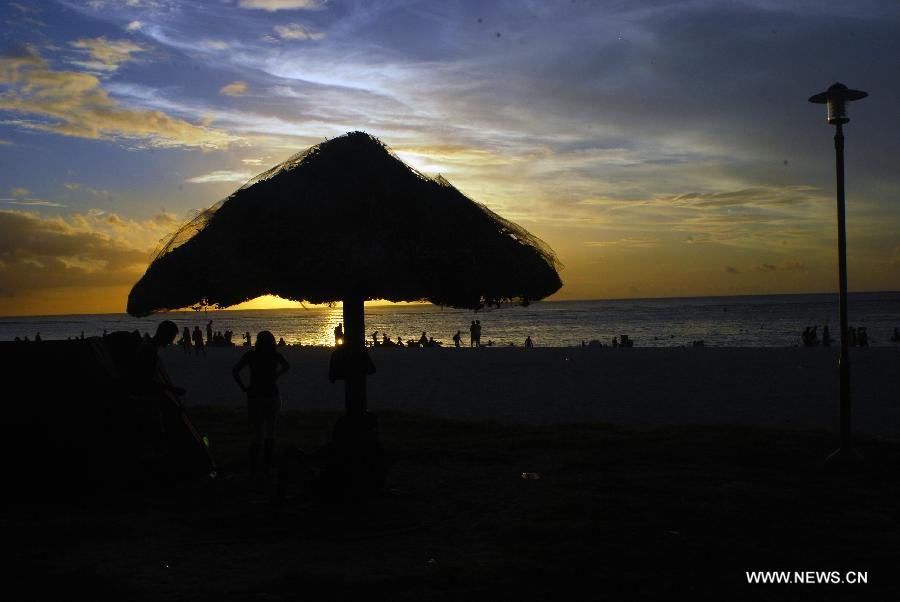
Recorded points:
(347, 221)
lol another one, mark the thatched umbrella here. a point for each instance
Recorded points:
(346, 220)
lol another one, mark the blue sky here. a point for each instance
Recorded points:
(662, 148)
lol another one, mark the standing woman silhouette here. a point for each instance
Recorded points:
(263, 399)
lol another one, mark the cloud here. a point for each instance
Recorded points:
(106, 55)
(221, 175)
(787, 265)
(19, 191)
(23, 9)
(74, 104)
(31, 203)
(90, 249)
(273, 5)
(134, 26)
(295, 31)
(758, 195)
(630, 243)
(237, 88)
(215, 45)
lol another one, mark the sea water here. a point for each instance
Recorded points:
(748, 321)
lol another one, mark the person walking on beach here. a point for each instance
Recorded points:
(339, 334)
(263, 399)
(209, 332)
(478, 333)
(528, 342)
(472, 334)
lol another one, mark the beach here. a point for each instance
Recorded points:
(536, 474)
(794, 388)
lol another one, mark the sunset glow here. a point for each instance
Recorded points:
(659, 149)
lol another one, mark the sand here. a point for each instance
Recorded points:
(793, 388)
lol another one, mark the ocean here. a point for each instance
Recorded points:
(747, 321)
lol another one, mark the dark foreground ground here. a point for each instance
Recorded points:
(617, 514)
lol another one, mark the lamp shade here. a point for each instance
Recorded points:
(836, 97)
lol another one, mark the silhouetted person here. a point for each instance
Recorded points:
(339, 334)
(375, 339)
(615, 342)
(528, 343)
(386, 340)
(281, 342)
(263, 399)
(826, 337)
(199, 345)
(851, 336)
(423, 340)
(147, 371)
(457, 338)
(37, 338)
(472, 334)
(478, 333)
(862, 336)
(209, 332)
(186, 340)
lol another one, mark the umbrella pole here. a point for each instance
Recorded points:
(354, 335)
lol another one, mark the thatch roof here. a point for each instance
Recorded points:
(347, 219)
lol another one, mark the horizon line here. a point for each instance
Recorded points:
(389, 303)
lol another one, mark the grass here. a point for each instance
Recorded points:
(616, 513)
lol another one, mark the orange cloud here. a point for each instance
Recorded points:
(237, 88)
(84, 253)
(73, 103)
(106, 55)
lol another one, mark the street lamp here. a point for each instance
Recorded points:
(845, 459)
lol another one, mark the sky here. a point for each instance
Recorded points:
(660, 148)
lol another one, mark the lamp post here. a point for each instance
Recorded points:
(845, 459)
